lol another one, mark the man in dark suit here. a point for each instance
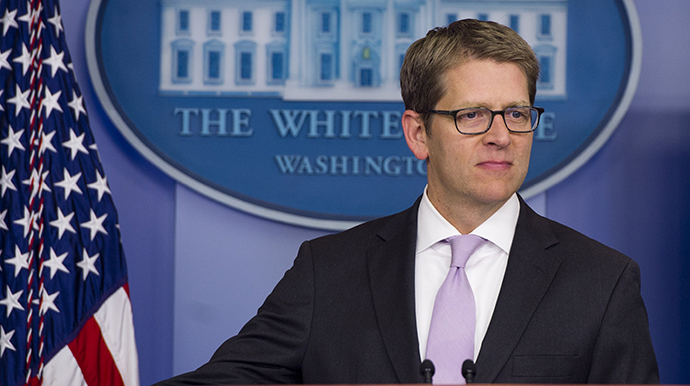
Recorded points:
(552, 306)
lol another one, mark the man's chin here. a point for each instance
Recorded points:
(496, 195)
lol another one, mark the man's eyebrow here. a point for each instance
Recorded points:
(469, 105)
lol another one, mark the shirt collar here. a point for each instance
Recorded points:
(432, 227)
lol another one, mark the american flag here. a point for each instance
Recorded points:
(65, 313)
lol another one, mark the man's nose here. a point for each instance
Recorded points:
(498, 133)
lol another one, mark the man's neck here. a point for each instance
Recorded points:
(465, 216)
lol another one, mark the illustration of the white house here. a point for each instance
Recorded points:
(331, 49)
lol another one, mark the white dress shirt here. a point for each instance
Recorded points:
(485, 268)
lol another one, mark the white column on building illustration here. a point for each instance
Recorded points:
(296, 47)
(388, 44)
(346, 35)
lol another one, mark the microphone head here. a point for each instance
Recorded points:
(427, 367)
(468, 367)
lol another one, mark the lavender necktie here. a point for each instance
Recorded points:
(451, 335)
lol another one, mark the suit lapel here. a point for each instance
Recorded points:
(391, 269)
(528, 275)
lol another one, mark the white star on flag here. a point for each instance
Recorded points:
(13, 140)
(63, 223)
(87, 264)
(36, 186)
(75, 144)
(56, 21)
(3, 224)
(101, 185)
(3, 60)
(46, 142)
(50, 102)
(69, 183)
(6, 181)
(8, 21)
(27, 221)
(55, 61)
(95, 224)
(11, 300)
(47, 302)
(31, 15)
(20, 100)
(5, 341)
(20, 260)
(77, 105)
(56, 263)
(24, 59)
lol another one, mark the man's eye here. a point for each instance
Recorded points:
(469, 115)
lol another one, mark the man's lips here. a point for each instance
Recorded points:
(495, 165)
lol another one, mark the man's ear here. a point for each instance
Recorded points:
(415, 134)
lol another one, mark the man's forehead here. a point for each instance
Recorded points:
(456, 78)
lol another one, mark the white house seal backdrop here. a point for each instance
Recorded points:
(290, 110)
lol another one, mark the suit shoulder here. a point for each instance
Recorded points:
(568, 244)
(575, 245)
(367, 233)
(399, 228)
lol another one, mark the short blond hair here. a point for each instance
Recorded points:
(428, 59)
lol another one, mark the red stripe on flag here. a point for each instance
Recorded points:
(126, 287)
(94, 358)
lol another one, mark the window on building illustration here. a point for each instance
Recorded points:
(326, 22)
(245, 65)
(515, 23)
(245, 56)
(366, 77)
(545, 69)
(404, 24)
(280, 22)
(546, 54)
(276, 56)
(247, 21)
(276, 62)
(214, 22)
(183, 21)
(483, 16)
(451, 17)
(213, 67)
(326, 73)
(277, 65)
(182, 64)
(213, 62)
(366, 22)
(545, 28)
(182, 61)
(546, 72)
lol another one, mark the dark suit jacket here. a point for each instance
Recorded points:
(569, 311)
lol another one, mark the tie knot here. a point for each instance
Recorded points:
(463, 246)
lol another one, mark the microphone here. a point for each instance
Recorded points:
(469, 370)
(427, 369)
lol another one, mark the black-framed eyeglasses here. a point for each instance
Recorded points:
(478, 120)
